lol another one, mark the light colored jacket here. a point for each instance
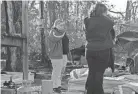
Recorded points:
(54, 43)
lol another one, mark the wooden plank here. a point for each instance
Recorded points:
(25, 43)
(11, 41)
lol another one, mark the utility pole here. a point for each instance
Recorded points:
(25, 43)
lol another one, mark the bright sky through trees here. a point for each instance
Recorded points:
(120, 5)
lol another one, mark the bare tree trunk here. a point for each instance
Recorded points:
(45, 41)
(134, 10)
(77, 14)
(10, 26)
(64, 11)
(6, 15)
(128, 10)
(42, 33)
(44, 57)
(17, 12)
(8, 61)
(19, 63)
(10, 17)
(16, 58)
(52, 14)
(13, 58)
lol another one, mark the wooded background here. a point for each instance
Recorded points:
(72, 11)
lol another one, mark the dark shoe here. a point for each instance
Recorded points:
(61, 88)
(57, 90)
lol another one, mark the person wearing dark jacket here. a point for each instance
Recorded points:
(98, 48)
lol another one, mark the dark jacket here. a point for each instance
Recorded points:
(98, 34)
(65, 44)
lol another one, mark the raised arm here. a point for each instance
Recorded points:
(53, 36)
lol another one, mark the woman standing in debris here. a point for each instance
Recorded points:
(55, 50)
(99, 43)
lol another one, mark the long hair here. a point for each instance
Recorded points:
(98, 10)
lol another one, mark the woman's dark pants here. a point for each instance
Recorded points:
(97, 63)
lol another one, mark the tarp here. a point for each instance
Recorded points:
(77, 82)
(128, 40)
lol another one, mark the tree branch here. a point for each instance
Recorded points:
(117, 13)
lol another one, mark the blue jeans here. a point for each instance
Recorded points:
(97, 63)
